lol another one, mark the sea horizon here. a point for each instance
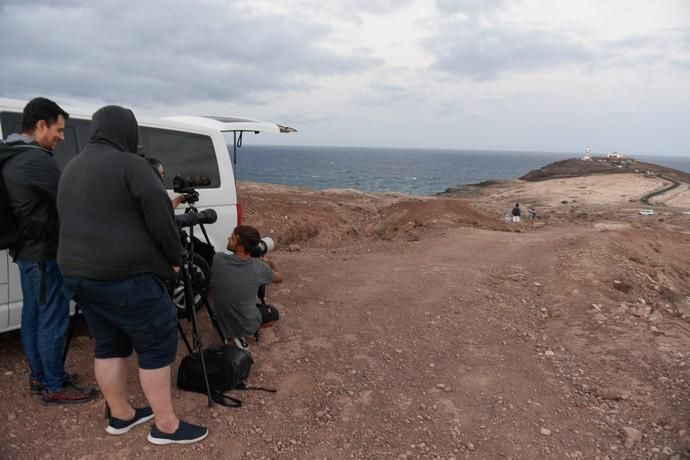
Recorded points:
(451, 150)
(405, 170)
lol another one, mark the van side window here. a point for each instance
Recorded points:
(11, 123)
(67, 149)
(181, 153)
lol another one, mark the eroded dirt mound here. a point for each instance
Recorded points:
(411, 219)
(333, 217)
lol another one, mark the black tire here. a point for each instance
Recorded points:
(201, 282)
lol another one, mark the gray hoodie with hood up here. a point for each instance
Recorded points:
(116, 218)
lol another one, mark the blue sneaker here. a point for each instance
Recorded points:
(186, 434)
(117, 426)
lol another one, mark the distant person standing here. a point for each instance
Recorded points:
(532, 216)
(516, 213)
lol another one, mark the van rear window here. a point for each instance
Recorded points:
(181, 153)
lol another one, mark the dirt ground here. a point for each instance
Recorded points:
(430, 328)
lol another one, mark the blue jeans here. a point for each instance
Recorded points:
(44, 324)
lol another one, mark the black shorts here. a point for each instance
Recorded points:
(269, 313)
(136, 313)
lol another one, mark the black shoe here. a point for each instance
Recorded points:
(117, 426)
(186, 434)
(36, 386)
(70, 394)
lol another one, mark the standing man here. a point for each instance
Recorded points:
(118, 243)
(516, 213)
(31, 178)
(236, 280)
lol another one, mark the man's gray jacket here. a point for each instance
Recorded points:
(117, 219)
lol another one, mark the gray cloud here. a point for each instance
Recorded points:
(467, 49)
(468, 7)
(481, 54)
(388, 94)
(367, 6)
(157, 51)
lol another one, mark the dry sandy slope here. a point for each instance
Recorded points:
(428, 328)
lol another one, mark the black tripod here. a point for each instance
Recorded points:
(70, 332)
(195, 276)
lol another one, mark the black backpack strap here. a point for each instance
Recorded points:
(225, 400)
(243, 386)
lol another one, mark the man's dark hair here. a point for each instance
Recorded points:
(38, 109)
(248, 237)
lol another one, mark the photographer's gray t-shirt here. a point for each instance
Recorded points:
(235, 285)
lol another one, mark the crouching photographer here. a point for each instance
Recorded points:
(237, 278)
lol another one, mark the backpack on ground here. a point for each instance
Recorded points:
(227, 367)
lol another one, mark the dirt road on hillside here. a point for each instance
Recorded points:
(427, 328)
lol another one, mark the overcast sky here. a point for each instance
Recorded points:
(535, 75)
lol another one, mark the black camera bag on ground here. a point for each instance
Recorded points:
(228, 368)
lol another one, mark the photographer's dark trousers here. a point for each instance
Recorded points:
(269, 314)
(136, 313)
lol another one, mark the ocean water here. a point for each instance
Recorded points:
(413, 171)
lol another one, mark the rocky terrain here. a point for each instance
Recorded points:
(428, 327)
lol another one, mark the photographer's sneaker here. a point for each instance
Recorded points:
(36, 386)
(70, 394)
(186, 433)
(241, 343)
(117, 426)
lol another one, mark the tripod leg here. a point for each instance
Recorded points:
(70, 333)
(196, 334)
(184, 337)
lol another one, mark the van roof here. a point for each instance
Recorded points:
(222, 124)
(225, 124)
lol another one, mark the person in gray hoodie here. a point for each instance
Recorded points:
(118, 243)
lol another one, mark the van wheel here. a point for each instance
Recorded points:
(201, 282)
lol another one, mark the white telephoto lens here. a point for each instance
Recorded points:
(270, 244)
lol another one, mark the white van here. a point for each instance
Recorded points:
(186, 145)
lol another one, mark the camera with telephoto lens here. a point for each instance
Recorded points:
(266, 244)
(207, 216)
(185, 185)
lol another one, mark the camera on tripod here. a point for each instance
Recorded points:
(207, 216)
(186, 186)
(191, 290)
(197, 254)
